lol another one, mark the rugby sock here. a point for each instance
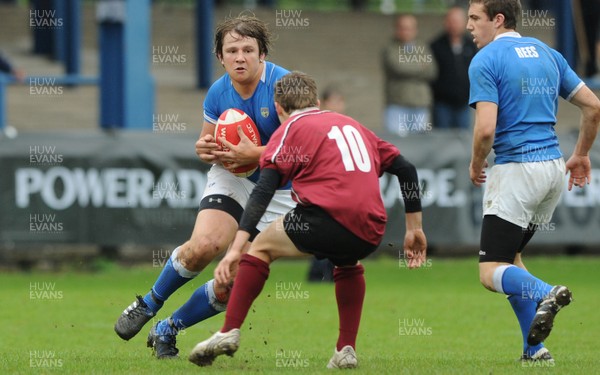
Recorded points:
(166, 328)
(202, 305)
(249, 281)
(171, 278)
(510, 279)
(525, 310)
(350, 294)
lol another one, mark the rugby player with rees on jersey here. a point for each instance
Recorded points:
(515, 85)
(334, 164)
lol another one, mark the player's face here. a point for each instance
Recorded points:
(241, 58)
(480, 26)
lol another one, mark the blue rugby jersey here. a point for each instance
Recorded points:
(260, 106)
(524, 77)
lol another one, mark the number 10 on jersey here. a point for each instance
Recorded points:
(352, 147)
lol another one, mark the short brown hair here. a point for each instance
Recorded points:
(246, 26)
(511, 9)
(296, 90)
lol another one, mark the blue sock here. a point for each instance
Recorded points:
(525, 310)
(514, 280)
(171, 278)
(201, 306)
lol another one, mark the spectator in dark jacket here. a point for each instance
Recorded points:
(590, 10)
(453, 51)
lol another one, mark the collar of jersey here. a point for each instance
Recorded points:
(509, 34)
(298, 111)
(263, 76)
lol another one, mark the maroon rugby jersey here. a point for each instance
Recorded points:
(335, 163)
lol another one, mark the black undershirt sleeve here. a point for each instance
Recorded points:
(409, 183)
(259, 199)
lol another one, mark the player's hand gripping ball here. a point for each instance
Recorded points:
(227, 127)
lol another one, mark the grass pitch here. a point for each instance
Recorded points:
(435, 320)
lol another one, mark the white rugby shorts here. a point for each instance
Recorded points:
(221, 181)
(523, 193)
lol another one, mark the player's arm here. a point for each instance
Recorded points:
(262, 194)
(205, 145)
(415, 242)
(579, 164)
(486, 114)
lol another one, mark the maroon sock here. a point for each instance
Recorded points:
(249, 281)
(350, 294)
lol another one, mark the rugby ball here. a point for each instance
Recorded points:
(227, 127)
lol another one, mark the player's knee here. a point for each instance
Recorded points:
(198, 253)
(222, 292)
(263, 254)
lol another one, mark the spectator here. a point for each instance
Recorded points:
(590, 9)
(409, 68)
(453, 51)
(332, 99)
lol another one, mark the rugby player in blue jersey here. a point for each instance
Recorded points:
(515, 85)
(241, 46)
